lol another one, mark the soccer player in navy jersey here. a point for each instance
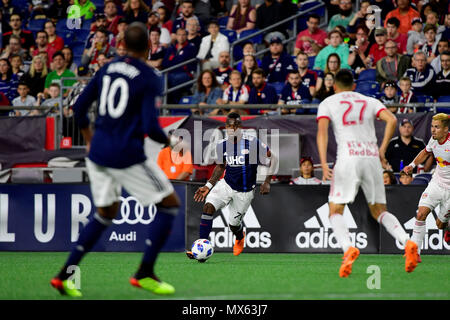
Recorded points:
(239, 156)
(128, 90)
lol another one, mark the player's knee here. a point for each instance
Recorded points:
(209, 208)
(109, 212)
(171, 201)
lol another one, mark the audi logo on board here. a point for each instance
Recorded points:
(140, 215)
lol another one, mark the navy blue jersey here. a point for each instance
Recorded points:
(242, 160)
(277, 69)
(299, 96)
(127, 90)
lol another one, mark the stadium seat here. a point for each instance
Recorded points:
(368, 87)
(77, 59)
(231, 35)
(312, 3)
(82, 34)
(367, 75)
(77, 48)
(86, 24)
(426, 176)
(238, 53)
(424, 98)
(68, 37)
(419, 180)
(256, 39)
(36, 24)
(443, 99)
(319, 72)
(61, 25)
(443, 109)
(223, 22)
(311, 61)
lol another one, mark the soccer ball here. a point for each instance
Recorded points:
(202, 249)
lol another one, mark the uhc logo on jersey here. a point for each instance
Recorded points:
(235, 160)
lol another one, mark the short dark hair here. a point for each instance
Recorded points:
(314, 16)
(259, 71)
(393, 21)
(22, 83)
(155, 29)
(213, 21)
(445, 53)
(234, 116)
(58, 53)
(136, 37)
(344, 78)
(429, 27)
(102, 30)
(295, 71)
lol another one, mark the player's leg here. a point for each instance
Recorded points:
(238, 207)
(105, 192)
(389, 222)
(442, 221)
(342, 235)
(420, 227)
(205, 224)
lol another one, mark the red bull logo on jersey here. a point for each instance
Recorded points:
(441, 162)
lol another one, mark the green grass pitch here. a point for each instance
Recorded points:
(250, 276)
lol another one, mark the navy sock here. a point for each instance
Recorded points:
(159, 231)
(205, 225)
(86, 240)
(239, 233)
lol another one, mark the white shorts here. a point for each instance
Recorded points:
(145, 181)
(435, 195)
(349, 175)
(222, 195)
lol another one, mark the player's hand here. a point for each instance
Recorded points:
(88, 147)
(327, 173)
(441, 225)
(408, 169)
(264, 188)
(201, 193)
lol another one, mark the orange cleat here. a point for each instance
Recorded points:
(239, 246)
(411, 256)
(349, 257)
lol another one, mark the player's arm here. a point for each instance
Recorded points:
(203, 191)
(322, 145)
(391, 123)
(265, 186)
(419, 159)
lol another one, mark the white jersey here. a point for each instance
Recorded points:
(441, 153)
(300, 180)
(352, 118)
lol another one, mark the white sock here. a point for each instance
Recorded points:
(393, 226)
(340, 231)
(419, 230)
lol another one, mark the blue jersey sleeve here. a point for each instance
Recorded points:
(84, 101)
(151, 97)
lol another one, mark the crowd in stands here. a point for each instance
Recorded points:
(45, 40)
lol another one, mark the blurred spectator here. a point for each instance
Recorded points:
(193, 30)
(15, 48)
(68, 57)
(211, 46)
(120, 36)
(24, 100)
(405, 178)
(203, 12)
(7, 8)
(430, 45)
(25, 36)
(294, 92)
(359, 18)
(407, 95)
(326, 89)
(250, 64)
(58, 10)
(35, 77)
(100, 24)
(112, 18)
(377, 51)
(416, 37)
(4, 102)
(102, 59)
(277, 63)
(443, 77)
(208, 91)
(312, 39)
(267, 14)
(59, 72)
(136, 10)
(77, 89)
(121, 50)
(154, 21)
(433, 19)
(248, 48)
(393, 65)
(442, 47)
(333, 64)
(17, 66)
(306, 173)
(404, 13)
(81, 9)
(404, 148)
(287, 9)
(421, 74)
(223, 71)
(179, 52)
(186, 12)
(53, 101)
(401, 39)
(336, 46)
(389, 178)
(220, 8)
(344, 16)
(42, 46)
(38, 9)
(262, 92)
(386, 6)
(54, 41)
(99, 45)
(390, 95)
(164, 17)
(176, 165)
(446, 33)
(4, 27)
(359, 52)
(236, 93)
(309, 78)
(242, 16)
(8, 81)
(426, 9)
(156, 51)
